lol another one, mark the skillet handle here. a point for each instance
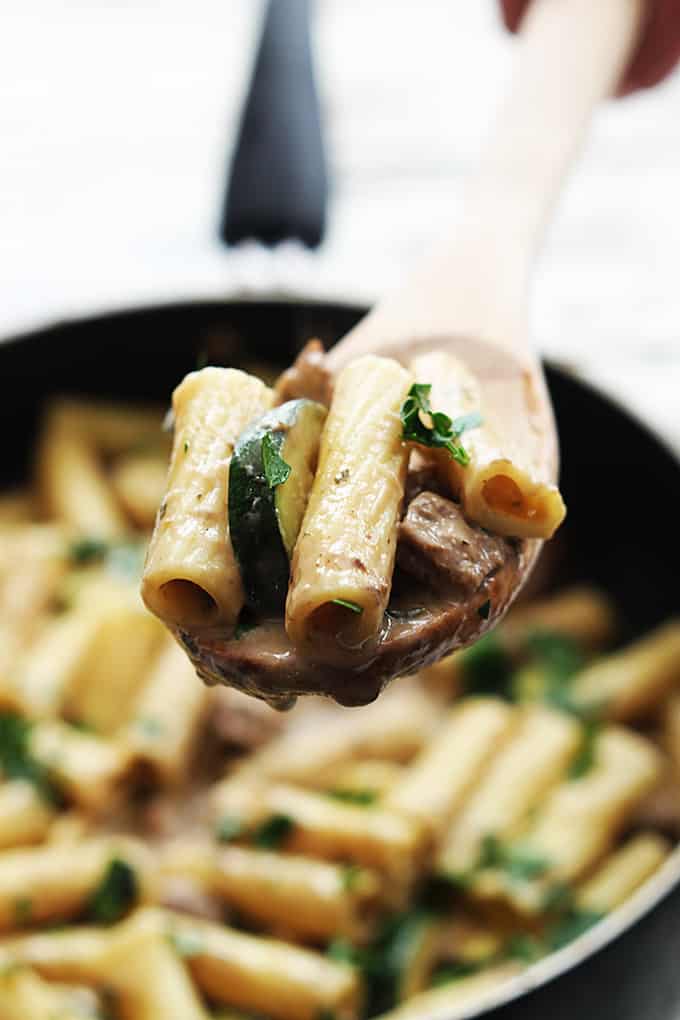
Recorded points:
(278, 185)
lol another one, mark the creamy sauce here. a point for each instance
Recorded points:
(419, 628)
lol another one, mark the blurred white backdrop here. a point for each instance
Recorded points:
(116, 121)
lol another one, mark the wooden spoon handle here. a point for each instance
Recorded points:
(570, 56)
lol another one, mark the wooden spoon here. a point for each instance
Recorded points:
(471, 300)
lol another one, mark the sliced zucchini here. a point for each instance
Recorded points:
(271, 473)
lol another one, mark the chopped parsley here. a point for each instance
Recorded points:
(23, 910)
(585, 758)
(422, 425)
(558, 899)
(229, 828)
(526, 948)
(487, 668)
(340, 950)
(350, 875)
(571, 926)
(362, 798)
(123, 558)
(346, 604)
(115, 895)
(518, 862)
(276, 471)
(273, 832)
(88, 550)
(186, 446)
(17, 760)
(445, 973)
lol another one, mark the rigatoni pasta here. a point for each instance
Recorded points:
(343, 561)
(191, 578)
(499, 488)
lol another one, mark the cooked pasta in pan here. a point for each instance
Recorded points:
(168, 850)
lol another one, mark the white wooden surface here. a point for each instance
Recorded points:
(115, 125)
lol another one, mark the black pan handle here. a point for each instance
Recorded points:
(278, 186)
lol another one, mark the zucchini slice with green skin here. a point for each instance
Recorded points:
(270, 476)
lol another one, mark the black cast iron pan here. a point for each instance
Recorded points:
(626, 968)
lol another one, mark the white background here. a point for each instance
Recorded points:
(115, 128)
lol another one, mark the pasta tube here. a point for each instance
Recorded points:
(113, 428)
(371, 836)
(166, 715)
(299, 895)
(149, 977)
(632, 682)
(52, 882)
(70, 954)
(580, 819)
(505, 489)
(264, 975)
(530, 762)
(25, 816)
(72, 484)
(49, 666)
(393, 728)
(138, 481)
(341, 573)
(623, 872)
(85, 767)
(24, 996)
(191, 578)
(584, 614)
(312, 899)
(442, 776)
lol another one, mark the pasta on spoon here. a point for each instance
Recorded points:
(435, 477)
(309, 549)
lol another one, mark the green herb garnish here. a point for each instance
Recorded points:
(558, 899)
(362, 798)
(350, 876)
(229, 828)
(487, 668)
(585, 759)
(273, 832)
(124, 558)
(276, 471)
(454, 971)
(88, 550)
(115, 895)
(518, 862)
(346, 604)
(524, 947)
(23, 910)
(342, 951)
(422, 425)
(571, 927)
(17, 760)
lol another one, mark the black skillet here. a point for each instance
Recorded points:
(626, 968)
